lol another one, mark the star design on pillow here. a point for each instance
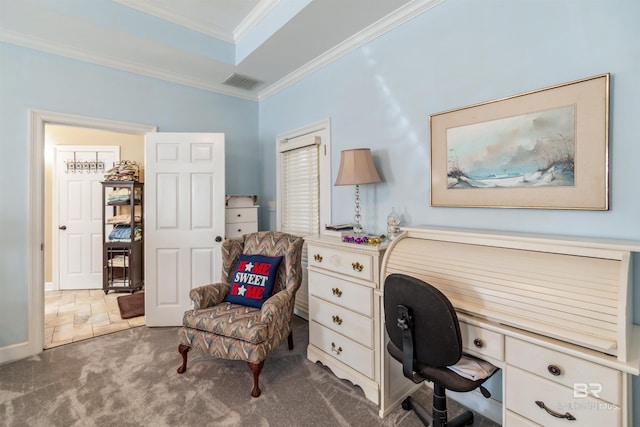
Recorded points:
(242, 290)
(248, 266)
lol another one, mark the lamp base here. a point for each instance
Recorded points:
(357, 228)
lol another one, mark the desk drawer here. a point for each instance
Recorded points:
(342, 292)
(515, 420)
(557, 399)
(234, 215)
(352, 325)
(341, 348)
(481, 342)
(347, 263)
(564, 369)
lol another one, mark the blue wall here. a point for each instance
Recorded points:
(34, 80)
(460, 53)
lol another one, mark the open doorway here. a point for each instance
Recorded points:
(38, 120)
(76, 308)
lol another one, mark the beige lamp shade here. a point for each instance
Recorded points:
(356, 167)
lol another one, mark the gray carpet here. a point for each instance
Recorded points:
(129, 378)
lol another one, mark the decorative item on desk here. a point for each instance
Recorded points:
(365, 240)
(357, 167)
(338, 230)
(393, 224)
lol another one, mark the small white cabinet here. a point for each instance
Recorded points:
(240, 221)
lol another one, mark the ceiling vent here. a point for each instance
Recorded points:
(243, 82)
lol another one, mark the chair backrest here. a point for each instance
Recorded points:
(437, 339)
(268, 243)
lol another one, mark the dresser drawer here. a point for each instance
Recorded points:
(240, 228)
(565, 369)
(515, 420)
(482, 342)
(343, 349)
(557, 399)
(352, 325)
(347, 263)
(234, 215)
(342, 292)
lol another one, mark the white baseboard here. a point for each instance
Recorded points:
(300, 313)
(49, 286)
(14, 352)
(474, 400)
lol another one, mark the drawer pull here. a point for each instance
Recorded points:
(567, 415)
(317, 257)
(337, 320)
(337, 292)
(554, 370)
(478, 343)
(336, 350)
(357, 266)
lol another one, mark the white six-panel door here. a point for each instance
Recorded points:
(77, 207)
(184, 220)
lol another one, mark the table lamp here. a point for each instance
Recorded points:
(356, 167)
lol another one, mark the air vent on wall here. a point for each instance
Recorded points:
(243, 82)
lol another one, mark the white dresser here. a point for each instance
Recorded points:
(344, 331)
(240, 221)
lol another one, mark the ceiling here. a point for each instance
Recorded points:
(202, 43)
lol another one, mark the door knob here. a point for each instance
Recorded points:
(62, 227)
(218, 239)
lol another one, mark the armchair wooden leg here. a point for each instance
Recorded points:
(290, 340)
(256, 369)
(183, 350)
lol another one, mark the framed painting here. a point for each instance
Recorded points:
(545, 149)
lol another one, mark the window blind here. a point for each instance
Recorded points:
(301, 188)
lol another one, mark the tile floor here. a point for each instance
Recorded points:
(80, 314)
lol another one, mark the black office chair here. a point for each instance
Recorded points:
(424, 335)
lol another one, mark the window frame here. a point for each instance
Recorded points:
(320, 129)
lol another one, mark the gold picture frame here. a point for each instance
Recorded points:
(544, 149)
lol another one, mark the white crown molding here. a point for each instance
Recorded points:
(389, 22)
(150, 8)
(258, 13)
(48, 46)
(394, 19)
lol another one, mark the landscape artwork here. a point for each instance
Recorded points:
(535, 149)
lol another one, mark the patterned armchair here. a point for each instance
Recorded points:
(231, 331)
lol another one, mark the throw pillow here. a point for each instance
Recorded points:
(253, 280)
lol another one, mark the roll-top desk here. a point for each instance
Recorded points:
(554, 313)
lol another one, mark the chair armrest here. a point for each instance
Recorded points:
(278, 305)
(208, 295)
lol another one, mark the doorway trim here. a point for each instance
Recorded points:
(37, 121)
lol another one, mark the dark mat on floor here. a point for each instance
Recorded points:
(131, 305)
